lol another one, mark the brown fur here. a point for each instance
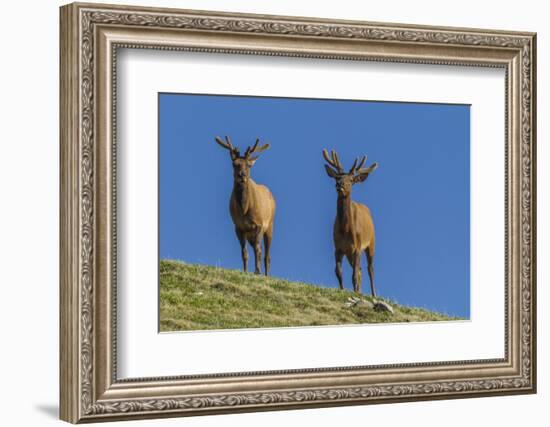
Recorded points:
(353, 231)
(252, 206)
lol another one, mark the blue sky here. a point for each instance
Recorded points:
(419, 196)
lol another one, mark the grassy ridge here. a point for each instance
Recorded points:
(202, 297)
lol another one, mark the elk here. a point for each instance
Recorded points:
(353, 231)
(252, 206)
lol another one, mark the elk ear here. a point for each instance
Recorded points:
(363, 174)
(331, 172)
(251, 161)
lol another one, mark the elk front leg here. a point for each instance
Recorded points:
(357, 272)
(244, 252)
(256, 243)
(267, 246)
(370, 261)
(338, 270)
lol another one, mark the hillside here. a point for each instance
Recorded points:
(202, 297)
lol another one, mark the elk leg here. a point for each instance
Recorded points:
(370, 261)
(338, 270)
(267, 247)
(244, 252)
(357, 272)
(257, 253)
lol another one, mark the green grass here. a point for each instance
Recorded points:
(202, 297)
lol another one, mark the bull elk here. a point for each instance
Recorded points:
(353, 231)
(252, 206)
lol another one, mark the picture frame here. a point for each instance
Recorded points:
(91, 36)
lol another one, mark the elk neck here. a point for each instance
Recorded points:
(242, 194)
(344, 212)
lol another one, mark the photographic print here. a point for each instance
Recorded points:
(293, 212)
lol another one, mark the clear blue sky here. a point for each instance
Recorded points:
(419, 196)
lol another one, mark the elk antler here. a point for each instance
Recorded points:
(234, 151)
(334, 161)
(356, 167)
(254, 149)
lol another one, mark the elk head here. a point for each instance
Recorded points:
(242, 164)
(345, 180)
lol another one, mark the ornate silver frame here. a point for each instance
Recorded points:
(90, 36)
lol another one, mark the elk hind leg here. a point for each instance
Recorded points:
(244, 252)
(370, 262)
